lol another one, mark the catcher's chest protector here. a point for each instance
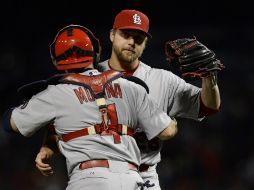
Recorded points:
(97, 85)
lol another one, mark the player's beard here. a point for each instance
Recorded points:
(126, 56)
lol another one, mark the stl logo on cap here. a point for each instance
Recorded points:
(136, 19)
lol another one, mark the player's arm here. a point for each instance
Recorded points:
(170, 131)
(42, 161)
(47, 151)
(13, 126)
(153, 121)
(210, 95)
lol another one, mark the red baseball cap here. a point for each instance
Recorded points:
(132, 19)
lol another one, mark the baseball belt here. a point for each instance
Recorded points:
(102, 163)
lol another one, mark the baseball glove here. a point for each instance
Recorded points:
(194, 59)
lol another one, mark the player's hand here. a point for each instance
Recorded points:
(42, 160)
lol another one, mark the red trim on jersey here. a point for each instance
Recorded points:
(205, 111)
(125, 73)
(128, 73)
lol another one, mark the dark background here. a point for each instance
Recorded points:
(214, 154)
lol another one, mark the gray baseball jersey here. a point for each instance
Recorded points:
(173, 95)
(61, 104)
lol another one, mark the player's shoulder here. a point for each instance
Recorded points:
(133, 84)
(34, 88)
(151, 71)
(138, 81)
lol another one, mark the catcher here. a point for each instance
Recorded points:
(94, 115)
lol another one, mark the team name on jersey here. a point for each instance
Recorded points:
(112, 90)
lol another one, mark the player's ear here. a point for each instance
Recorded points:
(112, 34)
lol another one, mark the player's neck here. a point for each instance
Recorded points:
(118, 65)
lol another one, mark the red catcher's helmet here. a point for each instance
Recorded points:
(74, 47)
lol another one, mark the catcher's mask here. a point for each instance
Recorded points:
(74, 47)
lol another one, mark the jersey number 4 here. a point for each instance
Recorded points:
(112, 115)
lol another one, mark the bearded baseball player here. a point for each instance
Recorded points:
(174, 95)
(94, 116)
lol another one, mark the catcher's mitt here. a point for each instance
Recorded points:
(194, 60)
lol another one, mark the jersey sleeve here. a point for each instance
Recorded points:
(35, 113)
(182, 97)
(187, 100)
(150, 118)
(174, 96)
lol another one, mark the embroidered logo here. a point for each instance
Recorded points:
(92, 73)
(96, 82)
(136, 19)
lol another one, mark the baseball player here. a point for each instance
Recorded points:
(94, 115)
(175, 97)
